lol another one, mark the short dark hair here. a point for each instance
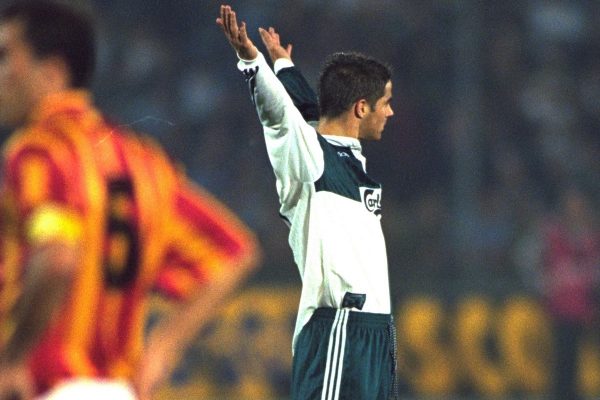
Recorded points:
(53, 29)
(349, 77)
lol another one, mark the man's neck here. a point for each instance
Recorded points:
(341, 126)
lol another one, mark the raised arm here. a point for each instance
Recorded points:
(209, 254)
(48, 277)
(49, 234)
(303, 96)
(292, 143)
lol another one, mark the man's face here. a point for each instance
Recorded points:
(373, 123)
(18, 73)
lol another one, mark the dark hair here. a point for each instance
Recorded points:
(349, 77)
(53, 29)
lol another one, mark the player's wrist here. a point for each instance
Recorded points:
(248, 53)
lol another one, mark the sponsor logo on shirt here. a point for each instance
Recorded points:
(250, 76)
(250, 73)
(371, 198)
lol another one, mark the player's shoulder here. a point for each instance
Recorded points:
(143, 149)
(55, 142)
(140, 143)
(35, 142)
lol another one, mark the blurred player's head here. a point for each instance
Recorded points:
(44, 47)
(350, 79)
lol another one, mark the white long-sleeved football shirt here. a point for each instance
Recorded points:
(332, 206)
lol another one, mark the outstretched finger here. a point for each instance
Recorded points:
(223, 18)
(224, 21)
(233, 25)
(221, 24)
(243, 34)
(274, 35)
(264, 35)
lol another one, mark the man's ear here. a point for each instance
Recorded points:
(361, 108)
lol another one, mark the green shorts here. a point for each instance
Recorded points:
(343, 354)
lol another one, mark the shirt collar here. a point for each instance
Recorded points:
(60, 102)
(344, 141)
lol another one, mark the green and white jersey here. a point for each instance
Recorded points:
(333, 208)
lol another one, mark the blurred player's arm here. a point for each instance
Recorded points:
(210, 258)
(302, 94)
(52, 236)
(45, 234)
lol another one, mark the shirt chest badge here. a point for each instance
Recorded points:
(371, 198)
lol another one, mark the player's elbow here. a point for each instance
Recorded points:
(252, 254)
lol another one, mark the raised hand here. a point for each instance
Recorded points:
(273, 44)
(236, 34)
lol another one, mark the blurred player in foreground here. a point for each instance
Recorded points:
(94, 219)
(344, 342)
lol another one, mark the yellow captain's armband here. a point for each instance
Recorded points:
(54, 222)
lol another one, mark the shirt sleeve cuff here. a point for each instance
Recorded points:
(282, 63)
(243, 64)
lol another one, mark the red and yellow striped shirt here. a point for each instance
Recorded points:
(143, 226)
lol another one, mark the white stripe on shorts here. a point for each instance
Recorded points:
(335, 356)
